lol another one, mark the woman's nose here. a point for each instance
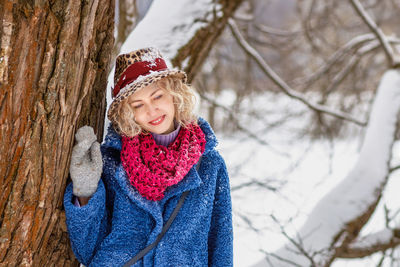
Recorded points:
(151, 109)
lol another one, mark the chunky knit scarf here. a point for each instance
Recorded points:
(152, 168)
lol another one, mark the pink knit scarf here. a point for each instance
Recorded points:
(152, 168)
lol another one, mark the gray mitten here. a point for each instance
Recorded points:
(86, 163)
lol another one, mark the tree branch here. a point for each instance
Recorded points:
(371, 244)
(394, 169)
(339, 54)
(298, 244)
(281, 259)
(394, 61)
(362, 44)
(235, 120)
(282, 84)
(278, 32)
(352, 62)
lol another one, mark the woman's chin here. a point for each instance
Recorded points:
(165, 127)
(159, 129)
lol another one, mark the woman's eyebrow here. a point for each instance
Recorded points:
(158, 89)
(138, 100)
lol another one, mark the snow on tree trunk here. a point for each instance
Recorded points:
(53, 60)
(338, 217)
(184, 30)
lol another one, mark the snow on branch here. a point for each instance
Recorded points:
(281, 83)
(338, 55)
(370, 244)
(392, 58)
(170, 27)
(338, 217)
(353, 61)
(361, 44)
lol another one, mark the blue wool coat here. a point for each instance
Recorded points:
(118, 222)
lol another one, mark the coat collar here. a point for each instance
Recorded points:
(191, 181)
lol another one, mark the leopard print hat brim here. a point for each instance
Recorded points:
(138, 84)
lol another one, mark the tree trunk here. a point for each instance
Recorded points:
(197, 49)
(54, 62)
(127, 20)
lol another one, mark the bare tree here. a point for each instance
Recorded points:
(318, 243)
(325, 50)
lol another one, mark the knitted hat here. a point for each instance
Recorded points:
(136, 70)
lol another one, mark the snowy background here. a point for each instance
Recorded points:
(286, 182)
(303, 171)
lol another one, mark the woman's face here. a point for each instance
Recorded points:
(154, 109)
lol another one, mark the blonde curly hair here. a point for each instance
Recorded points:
(184, 101)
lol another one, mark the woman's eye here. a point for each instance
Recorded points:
(138, 106)
(158, 97)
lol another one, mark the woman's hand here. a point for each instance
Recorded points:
(86, 163)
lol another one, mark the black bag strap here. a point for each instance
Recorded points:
(146, 250)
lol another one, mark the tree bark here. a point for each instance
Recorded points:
(54, 62)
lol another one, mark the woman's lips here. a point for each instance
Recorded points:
(157, 121)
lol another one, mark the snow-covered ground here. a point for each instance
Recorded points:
(298, 173)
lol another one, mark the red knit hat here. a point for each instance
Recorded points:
(136, 70)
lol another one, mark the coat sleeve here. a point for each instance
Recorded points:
(87, 225)
(220, 238)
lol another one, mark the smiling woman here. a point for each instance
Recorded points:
(156, 108)
(159, 159)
